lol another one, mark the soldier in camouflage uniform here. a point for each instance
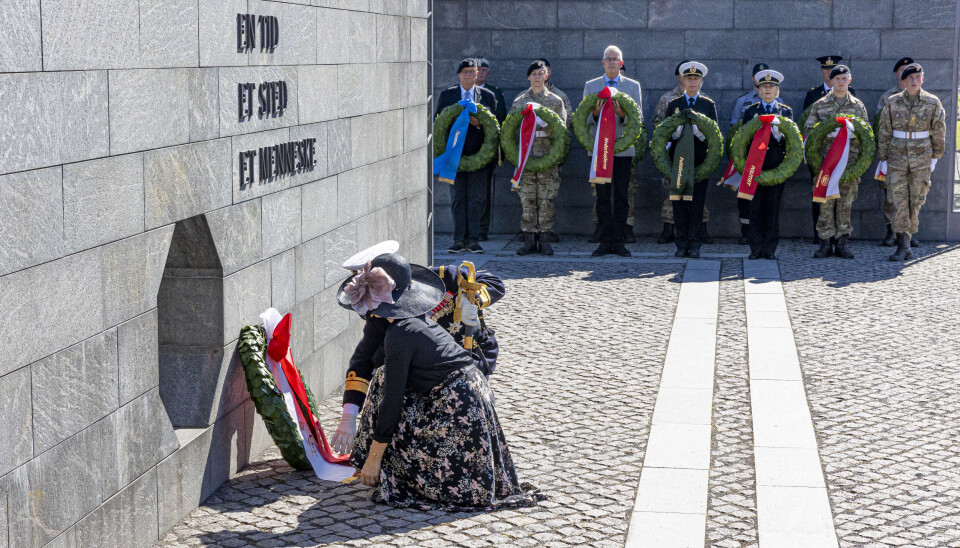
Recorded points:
(887, 203)
(833, 225)
(910, 139)
(666, 210)
(539, 190)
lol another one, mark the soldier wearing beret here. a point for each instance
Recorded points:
(666, 210)
(888, 240)
(538, 191)
(833, 225)
(827, 64)
(764, 209)
(910, 139)
(483, 72)
(688, 214)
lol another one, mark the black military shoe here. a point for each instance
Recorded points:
(529, 244)
(754, 255)
(693, 253)
(628, 236)
(903, 249)
(680, 253)
(596, 234)
(914, 242)
(666, 236)
(705, 236)
(842, 249)
(890, 238)
(770, 256)
(474, 247)
(619, 249)
(458, 246)
(544, 243)
(826, 250)
(601, 250)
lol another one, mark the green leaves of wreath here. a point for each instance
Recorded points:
(794, 157)
(710, 130)
(491, 136)
(268, 399)
(861, 132)
(634, 132)
(559, 148)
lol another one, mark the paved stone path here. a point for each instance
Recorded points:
(584, 343)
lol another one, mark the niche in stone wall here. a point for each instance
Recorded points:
(190, 323)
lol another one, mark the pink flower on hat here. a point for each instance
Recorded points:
(369, 288)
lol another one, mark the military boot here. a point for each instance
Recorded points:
(596, 234)
(826, 249)
(842, 249)
(890, 238)
(545, 243)
(914, 242)
(903, 249)
(667, 235)
(529, 244)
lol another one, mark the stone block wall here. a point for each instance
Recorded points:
(730, 36)
(137, 243)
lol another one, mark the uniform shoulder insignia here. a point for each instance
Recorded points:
(784, 105)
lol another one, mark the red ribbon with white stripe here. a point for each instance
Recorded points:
(601, 166)
(528, 131)
(828, 180)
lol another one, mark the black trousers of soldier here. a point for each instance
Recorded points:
(688, 218)
(466, 203)
(765, 219)
(487, 200)
(613, 216)
(743, 209)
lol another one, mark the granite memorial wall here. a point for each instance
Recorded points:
(168, 170)
(729, 36)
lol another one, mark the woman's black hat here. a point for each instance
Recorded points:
(417, 291)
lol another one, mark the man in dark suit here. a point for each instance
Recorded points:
(483, 72)
(468, 188)
(764, 208)
(688, 214)
(827, 64)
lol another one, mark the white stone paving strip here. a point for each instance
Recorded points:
(671, 504)
(792, 504)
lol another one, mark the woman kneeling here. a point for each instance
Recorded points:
(429, 436)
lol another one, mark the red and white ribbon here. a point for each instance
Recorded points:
(731, 177)
(279, 358)
(881, 173)
(601, 165)
(528, 131)
(828, 180)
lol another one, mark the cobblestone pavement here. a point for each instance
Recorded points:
(583, 342)
(581, 355)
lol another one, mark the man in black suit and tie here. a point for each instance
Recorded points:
(468, 192)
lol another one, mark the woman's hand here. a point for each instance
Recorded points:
(370, 474)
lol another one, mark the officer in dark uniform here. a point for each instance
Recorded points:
(483, 71)
(764, 208)
(827, 64)
(688, 214)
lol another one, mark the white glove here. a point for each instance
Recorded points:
(668, 145)
(933, 164)
(882, 168)
(469, 313)
(834, 133)
(697, 134)
(775, 131)
(342, 441)
(676, 134)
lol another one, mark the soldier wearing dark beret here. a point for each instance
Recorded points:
(888, 209)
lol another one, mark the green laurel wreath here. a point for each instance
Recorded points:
(790, 163)
(861, 132)
(710, 130)
(268, 399)
(491, 136)
(633, 126)
(559, 147)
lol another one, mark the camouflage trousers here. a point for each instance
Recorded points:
(666, 210)
(538, 192)
(630, 198)
(906, 191)
(835, 214)
(888, 207)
